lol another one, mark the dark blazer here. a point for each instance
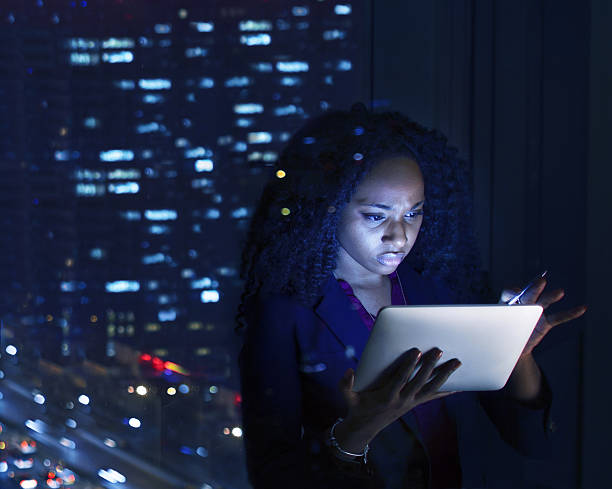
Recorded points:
(291, 362)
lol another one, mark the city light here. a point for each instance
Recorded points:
(209, 296)
(11, 350)
(83, 399)
(237, 432)
(134, 422)
(171, 391)
(141, 390)
(120, 286)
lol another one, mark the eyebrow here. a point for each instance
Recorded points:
(387, 208)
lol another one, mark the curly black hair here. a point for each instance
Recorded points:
(291, 244)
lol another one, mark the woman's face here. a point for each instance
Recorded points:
(380, 224)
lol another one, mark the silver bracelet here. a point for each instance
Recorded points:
(334, 443)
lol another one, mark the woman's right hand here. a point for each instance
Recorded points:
(391, 396)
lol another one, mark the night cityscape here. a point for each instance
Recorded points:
(135, 138)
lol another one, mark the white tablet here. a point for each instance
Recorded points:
(487, 339)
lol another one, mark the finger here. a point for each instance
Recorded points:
(429, 361)
(533, 293)
(549, 298)
(438, 395)
(565, 316)
(434, 385)
(409, 363)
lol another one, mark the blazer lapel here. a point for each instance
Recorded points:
(337, 312)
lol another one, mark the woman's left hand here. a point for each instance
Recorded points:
(525, 383)
(537, 295)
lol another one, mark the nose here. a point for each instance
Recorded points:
(395, 233)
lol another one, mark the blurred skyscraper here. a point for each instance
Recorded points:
(135, 137)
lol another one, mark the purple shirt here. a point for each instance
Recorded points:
(397, 298)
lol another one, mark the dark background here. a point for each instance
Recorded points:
(524, 90)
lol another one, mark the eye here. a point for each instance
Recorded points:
(415, 214)
(373, 217)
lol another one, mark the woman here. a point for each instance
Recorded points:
(367, 210)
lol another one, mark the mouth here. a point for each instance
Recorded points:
(391, 259)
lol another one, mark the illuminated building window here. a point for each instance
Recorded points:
(97, 253)
(292, 66)
(267, 156)
(152, 259)
(187, 273)
(240, 213)
(262, 67)
(195, 326)
(198, 152)
(201, 183)
(124, 188)
(259, 137)
(290, 81)
(286, 110)
(117, 155)
(66, 155)
(203, 165)
(334, 34)
(238, 81)
(209, 296)
(256, 39)
(118, 43)
(300, 11)
(91, 122)
(159, 229)
(202, 351)
(160, 352)
(227, 271)
(89, 189)
(242, 122)
(255, 25)
(206, 83)
(120, 286)
(196, 52)
(162, 28)
(118, 57)
(153, 98)
(85, 174)
(248, 109)
(212, 214)
(125, 84)
(81, 43)
(204, 283)
(342, 9)
(130, 215)
(161, 214)
(149, 127)
(239, 146)
(123, 174)
(152, 327)
(202, 26)
(152, 285)
(155, 84)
